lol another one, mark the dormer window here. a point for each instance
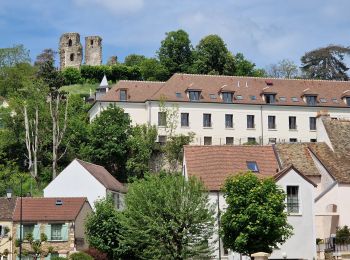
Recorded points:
(270, 98)
(194, 95)
(311, 100)
(347, 101)
(252, 166)
(227, 97)
(122, 95)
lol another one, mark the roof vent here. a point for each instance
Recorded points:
(59, 202)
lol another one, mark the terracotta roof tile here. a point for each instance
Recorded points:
(103, 176)
(338, 131)
(45, 209)
(213, 164)
(7, 207)
(243, 86)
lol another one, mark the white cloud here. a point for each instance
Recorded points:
(112, 6)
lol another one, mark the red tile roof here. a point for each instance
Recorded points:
(213, 164)
(139, 91)
(103, 176)
(45, 209)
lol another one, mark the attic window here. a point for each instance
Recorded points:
(295, 99)
(323, 100)
(347, 100)
(178, 95)
(335, 100)
(59, 202)
(252, 166)
(270, 98)
(269, 82)
(227, 97)
(311, 100)
(283, 99)
(122, 95)
(212, 96)
(252, 97)
(194, 95)
(239, 97)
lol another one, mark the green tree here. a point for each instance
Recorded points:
(211, 55)
(71, 76)
(175, 52)
(244, 67)
(80, 256)
(12, 56)
(255, 219)
(167, 217)
(326, 63)
(103, 227)
(152, 69)
(134, 60)
(108, 140)
(141, 144)
(285, 68)
(342, 235)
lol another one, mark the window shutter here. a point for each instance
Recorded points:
(48, 257)
(48, 232)
(36, 232)
(65, 232)
(17, 231)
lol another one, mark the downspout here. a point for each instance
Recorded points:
(262, 126)
(219, 216)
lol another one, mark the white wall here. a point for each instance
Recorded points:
(75, 181)
(148, 113)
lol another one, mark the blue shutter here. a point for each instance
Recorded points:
(48, 257)
(64, 232)
(36, 232)
(48, 232)
(18, 231)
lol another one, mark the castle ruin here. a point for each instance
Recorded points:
(71, 50)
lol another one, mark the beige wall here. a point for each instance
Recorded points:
(5, 242)
(80, 226)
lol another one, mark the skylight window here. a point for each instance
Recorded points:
(335, 100)
(212, 96)
(253, 97)
(239, 97)
(295, 99)
(283, 99)
(252, 166)
(178, 95)
(323, 100)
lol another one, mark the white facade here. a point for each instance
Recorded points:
(76, 181)
(147, 113)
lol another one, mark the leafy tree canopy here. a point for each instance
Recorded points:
(285, 68)
(167, 217)
(134, 59)
(152, 69)
(175, 52)
(12, 56)
(255, 219)
(326, 63)
(243, 67)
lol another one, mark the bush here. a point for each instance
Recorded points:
(342, 235)
(80, 256)
(96, 254)
(58, 258)
(71, 76)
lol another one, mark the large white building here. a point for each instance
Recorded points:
(230, 109)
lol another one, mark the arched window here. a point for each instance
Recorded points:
(91, 42)
(69, 42)
(72, 57)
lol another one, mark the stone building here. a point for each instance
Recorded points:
(93, 50)
(71, 50)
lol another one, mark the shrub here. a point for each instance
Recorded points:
(58, 258)
(342, 235)
(96, 254)
(71, 76)
(80, 256)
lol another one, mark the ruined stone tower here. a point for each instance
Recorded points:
(71, 50)
(93, 50)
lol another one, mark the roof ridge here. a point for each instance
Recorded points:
(252, 77)
(89, 162)
(142, 81)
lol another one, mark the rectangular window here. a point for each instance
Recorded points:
(122, 96)
(207, 140)
(347, 99)
(250, 121)
(185, 119)
(227, 97)
(161, 139)
(270, 98)
(56, 232)
(272, 140)
(283, 99)
(206, 120)
(311, 100)
(292, 123)
(294, 99)
(252, 166)
(27, 229)
(229, 121)
(161, 118)
(293, 140)
(178, 95)
(194, 95)
(229, 140)
(292, 199)
(251, 140)
(312, 121)
(212, 96)
(313, 140)
(272, 122)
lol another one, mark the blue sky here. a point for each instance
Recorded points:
(265, 31)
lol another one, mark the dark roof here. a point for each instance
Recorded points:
(141, 91)
(103, 176)
(7, 207)
(338, 131)
(45, 209)
(213, 164)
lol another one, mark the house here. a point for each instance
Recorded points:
(60, 219)
(7, 206)
(83, 179)
(213, 164)
(231, 109)
(327, 164)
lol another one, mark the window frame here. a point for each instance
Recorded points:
(194, 95)
(125, 98)
(229, 123)
(207, 121)
(185, 121)
(55, 226)
(251, 123)
(270, 98)
(227, 97)
(255, 166)
(311, 100)
(205, 140)
(291, 123)
(290, 208)
(229, 138)
(312, 123)
(271, 122)
(162, 119)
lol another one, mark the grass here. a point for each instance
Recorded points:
(80, 89)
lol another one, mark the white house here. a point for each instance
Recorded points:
(231, 109)
(83, 179)
(213, 164)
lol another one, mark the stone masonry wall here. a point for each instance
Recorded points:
(70, 50)
(93, 50)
